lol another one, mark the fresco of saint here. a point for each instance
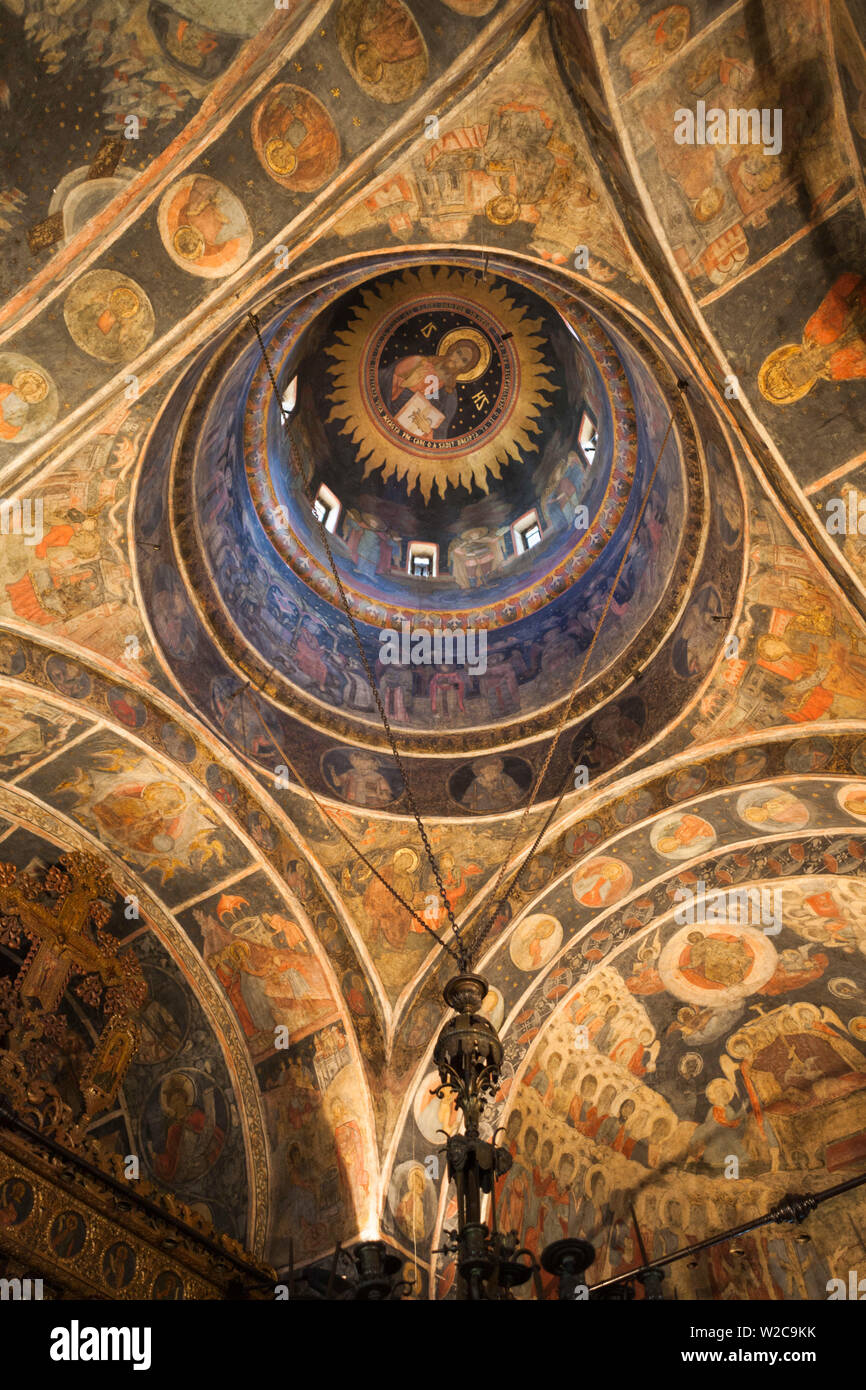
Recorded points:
(26, 389)
(427, 385)
(491, 788)
(192, 1139)
(833, 346)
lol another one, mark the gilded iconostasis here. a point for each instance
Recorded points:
(494, 294)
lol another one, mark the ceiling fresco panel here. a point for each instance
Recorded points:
(553, 379)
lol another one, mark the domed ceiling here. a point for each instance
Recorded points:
(497, 303)
(240, 590)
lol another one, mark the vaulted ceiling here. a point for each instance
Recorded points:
(181, 690)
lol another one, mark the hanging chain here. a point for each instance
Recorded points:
(254, 691)
(330, 820)
(515, 881)
(460, 953)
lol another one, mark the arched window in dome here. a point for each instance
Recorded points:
(527, 532)
(588, 436)
(290, 396)
(327, 508)
(423, 560)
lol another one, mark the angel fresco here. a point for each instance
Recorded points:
(145, 817)
(267, 969)
(137, 811)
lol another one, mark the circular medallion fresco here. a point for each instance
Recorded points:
(28, 398)
(716, 965)
(412, 1199)
(772, 808)
(109, 316)
(382, 47)
(682, 836)
(416, 395)
(295, 139)
(440, 380)
(852, 798)
(535, 941)
(204, 227)
(601, 882)
(434, 1113)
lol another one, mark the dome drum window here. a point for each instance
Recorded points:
(327, 508)
(527, 533)
(588, 436)
(423, 560)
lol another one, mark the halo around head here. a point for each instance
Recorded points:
(774, 381)
(473, 335)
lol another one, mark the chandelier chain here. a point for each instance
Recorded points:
(359, 853)
(428, 850)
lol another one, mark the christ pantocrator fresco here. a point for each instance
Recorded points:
(440, 379)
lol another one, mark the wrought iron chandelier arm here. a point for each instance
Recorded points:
(793, 1207)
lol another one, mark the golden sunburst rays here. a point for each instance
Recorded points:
(406, 445)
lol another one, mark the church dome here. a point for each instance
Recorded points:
(485, 454)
